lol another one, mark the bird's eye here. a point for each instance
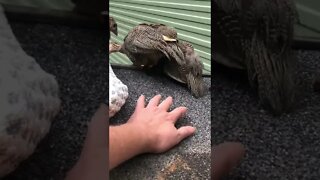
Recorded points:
(115, 25)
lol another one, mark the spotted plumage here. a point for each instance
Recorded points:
(113, 25)
(188, 71)
(148, 45)
(257, 36)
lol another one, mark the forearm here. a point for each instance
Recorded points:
(125, 142)
(93, 161)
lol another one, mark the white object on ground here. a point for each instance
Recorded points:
(29, 101)
(118, 93)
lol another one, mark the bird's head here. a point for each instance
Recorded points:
(113, 26)
(168, 31)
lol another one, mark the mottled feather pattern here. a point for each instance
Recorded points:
(113, 27)
(191, 69)
(148, 44)
(167, 31)
(146, 40)
(260, 34)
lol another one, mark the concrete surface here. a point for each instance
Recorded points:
(285, 147)
(189, 160)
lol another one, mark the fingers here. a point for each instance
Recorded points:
(166, 103)
(140, 102)
(154, 101)
(185, 132)
(177, 113)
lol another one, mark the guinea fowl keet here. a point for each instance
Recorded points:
(148, 45)
(113, 26)
(257, 36)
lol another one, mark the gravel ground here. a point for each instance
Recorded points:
(285, 147)
(191, 159)
(77, 58)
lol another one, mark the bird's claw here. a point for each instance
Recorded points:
(114, 47)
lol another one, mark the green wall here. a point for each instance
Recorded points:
(191, 19)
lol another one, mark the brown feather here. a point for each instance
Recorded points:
(257, 36)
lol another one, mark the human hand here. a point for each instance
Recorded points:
(93, 161)
(156, 124)
(225, 157)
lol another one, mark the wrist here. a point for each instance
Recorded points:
(126, 141)
(140, 134)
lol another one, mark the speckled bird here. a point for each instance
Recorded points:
(148, 44)
(113, 27)
(257, 36)
(188, 71)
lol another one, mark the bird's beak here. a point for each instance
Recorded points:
(166, 38)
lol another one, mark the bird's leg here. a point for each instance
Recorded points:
(114, 47)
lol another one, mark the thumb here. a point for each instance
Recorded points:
(185, 131)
